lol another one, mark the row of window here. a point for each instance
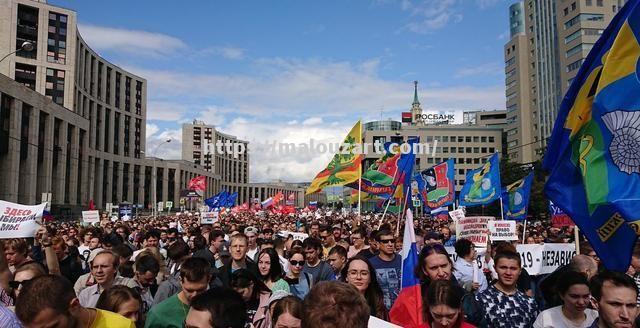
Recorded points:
(462, 150)
(582, 31)
(483, 139)
(578, 49)
(574, 66)
(583, 17)
(437, 160)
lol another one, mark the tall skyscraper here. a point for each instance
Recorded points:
(549, 40)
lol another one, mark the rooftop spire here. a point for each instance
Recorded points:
(415, 93)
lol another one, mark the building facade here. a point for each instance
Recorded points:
(90, 117)
(541, 61)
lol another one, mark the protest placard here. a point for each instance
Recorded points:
(473, 228)
(208, 217)
(296, 235)
(19, 221)
(457, 214)
(502, 230)
(536, 258)
(91, 217)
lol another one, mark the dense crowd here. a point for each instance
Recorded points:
(307, 269)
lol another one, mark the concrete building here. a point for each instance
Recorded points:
(89, 132)
(469, 144)
(549, 41)
(200, 146)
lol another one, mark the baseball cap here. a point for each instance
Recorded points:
(94, 253)
(249, 230)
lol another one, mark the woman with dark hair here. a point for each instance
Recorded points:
(300, 283)
(434, 264)
(287, 313)
(255, 295)
(444, 310)
(359, 272)
(573, 290)
(271, 271)
(124, 301)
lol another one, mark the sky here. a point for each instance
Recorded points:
(290, 71)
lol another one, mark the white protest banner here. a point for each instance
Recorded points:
(91, 217)
(502, 230)
(473, 228)
(208, 217)
(536, 258)
(19, 221)
(456, 214)
(379, 323)
(296, 235)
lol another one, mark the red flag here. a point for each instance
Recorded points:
(291, 197)
(198, 183)
(92, 206)
(278, 197)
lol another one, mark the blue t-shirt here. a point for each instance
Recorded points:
(388, 274)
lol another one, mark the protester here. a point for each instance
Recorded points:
(212, 253)
(252, 245)
(300, 282)
(337, 259)
(255, 295)
(328, 241)
(124, 301)
(215, 308)
(104, 269)
(314, 266)
(358, 245)
(238, 249)
(271, 271)
(503, 304)
(444, 306)
(388, 266)
(287, 312)
(359, 272)
(195, 274)
(334, 304)
(573, 290)
(146, 271)
(50, 301)
(177, 253)
(615, 294)
(466, 268)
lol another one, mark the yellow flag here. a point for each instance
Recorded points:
(344, 168)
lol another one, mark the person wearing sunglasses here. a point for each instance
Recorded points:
(388, 266)
(300, 282)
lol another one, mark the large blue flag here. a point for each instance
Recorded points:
(515, 198)
(594, 151)
(217, 201)
(231, 200)
(482, 185)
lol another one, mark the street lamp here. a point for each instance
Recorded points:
(26, 46)
(155, 176)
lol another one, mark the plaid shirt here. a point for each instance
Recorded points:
(636, 278)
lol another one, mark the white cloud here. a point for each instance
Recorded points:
(228, 52)
(135, 42)
(151, 129)
(430, 15)
(312, 121)
(484, 69)
(158, 147)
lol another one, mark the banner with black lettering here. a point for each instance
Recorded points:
(536, 258)
(19, 221)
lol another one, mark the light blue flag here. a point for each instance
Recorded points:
(482, 185)
(515, 198)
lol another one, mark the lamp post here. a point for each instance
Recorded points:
(26, 46)
(155, 177)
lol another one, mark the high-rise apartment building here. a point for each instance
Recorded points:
(549, 39)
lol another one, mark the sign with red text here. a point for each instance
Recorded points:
(209, 217)
(502, 230)
(19, 221)
(91, 217)
(474, 228)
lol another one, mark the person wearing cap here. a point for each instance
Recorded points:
(252, 238)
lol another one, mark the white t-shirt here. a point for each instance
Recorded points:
(252, 253)
(553, 318)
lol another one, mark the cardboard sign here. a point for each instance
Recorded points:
(536, 258)
(474, 228)
(457, 214)
(296, 235)
(19, 221)
(502, 230)
(209, 217)
(91, 217)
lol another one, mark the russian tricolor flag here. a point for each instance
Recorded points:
(409, 253)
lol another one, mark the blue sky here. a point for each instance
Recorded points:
(292, 70)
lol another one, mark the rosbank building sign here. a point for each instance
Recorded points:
(434, 117)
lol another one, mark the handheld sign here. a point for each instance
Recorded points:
(457, 214)
(474, 228)
(19, 221)
(208, 217)
(503, 230)
(91, 217)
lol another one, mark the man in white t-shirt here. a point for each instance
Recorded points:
(252, 238)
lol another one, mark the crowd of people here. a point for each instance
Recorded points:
(307, 269)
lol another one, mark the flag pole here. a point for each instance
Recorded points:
(360, 176)
(524, 231)
(501, 209)
(401, 216)
(576, 233)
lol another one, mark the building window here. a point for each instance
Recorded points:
(55, 86)
(512, 132)
(579, 49)
(461, 150)
(589, 2)
(573, 6)
(127, 133)
(454, 150)
(491, 139)
(584, 17)
(138, 98)
(512, 144)
(27, 30)
(476, 139)
(510, 62)
(566, 11)
(492, 150)
(57, 41)
(483, 150)
(118, 78)
(574, 66)
(127, 94)
(467, 139)
(108, 89)
(26, 75)
(483, 139)
(599, 3)
(460, 139)
(445, 139)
